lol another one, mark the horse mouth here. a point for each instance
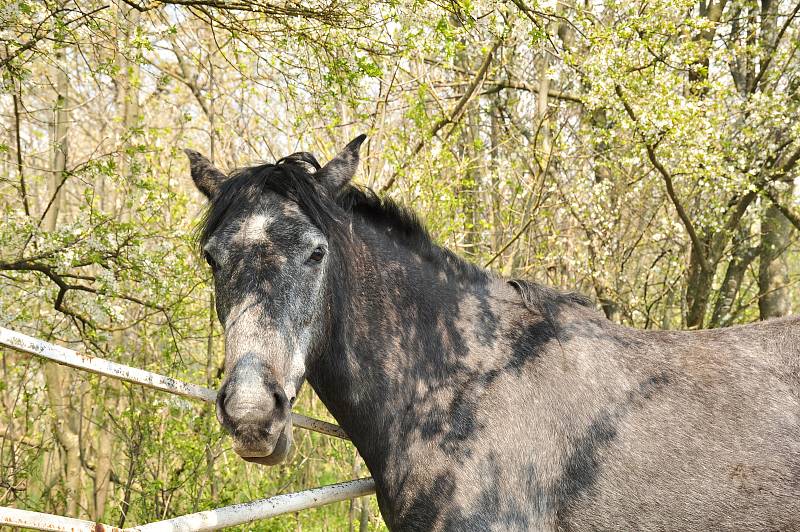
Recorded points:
(269, 452)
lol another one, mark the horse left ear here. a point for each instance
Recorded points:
(205, 176)
(341, 169)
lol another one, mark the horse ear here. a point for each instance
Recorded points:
(341, 169)
(205, 176)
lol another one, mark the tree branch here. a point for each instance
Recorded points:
(455, 114)
(497, 86)
(328, 14)
(36, 37)
(64, 287)
(790, 215)
(697, 245)
(17, 97)
(774, 46)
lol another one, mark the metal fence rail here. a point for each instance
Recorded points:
(68, 357)
(40, 521)
(236, 514)
(207, 520)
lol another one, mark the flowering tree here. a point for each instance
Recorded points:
(644, 153)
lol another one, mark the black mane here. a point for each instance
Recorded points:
(407, 227)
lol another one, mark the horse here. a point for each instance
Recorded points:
(478, 402)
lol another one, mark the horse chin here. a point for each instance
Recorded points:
(282, 449)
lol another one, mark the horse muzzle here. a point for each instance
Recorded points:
(256, 413)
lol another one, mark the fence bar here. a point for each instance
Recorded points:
(40, 521)
(238, 514)
(68, 357)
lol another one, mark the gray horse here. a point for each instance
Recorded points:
(481, 403)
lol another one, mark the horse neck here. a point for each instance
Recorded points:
(409, 323)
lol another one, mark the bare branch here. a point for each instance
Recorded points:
(497, 86)
(455, 114)
(329, 15)
(790, 215)
(64, 287)
(697, 245)
(36, 37)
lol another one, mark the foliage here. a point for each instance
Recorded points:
(645, 154)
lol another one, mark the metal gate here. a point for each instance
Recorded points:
(208, 520)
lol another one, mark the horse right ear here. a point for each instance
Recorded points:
(341, 169)
(206, 177)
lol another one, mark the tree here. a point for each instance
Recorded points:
(644, 154)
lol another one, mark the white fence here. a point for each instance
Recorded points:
(209, 520)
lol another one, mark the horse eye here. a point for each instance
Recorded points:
(317, 254)
(210, 260)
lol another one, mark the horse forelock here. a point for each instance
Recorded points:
(290, 178)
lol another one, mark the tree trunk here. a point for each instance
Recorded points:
(105, 440)
(495, 199)
(59, 382)
(741, 258)
(468, 181)
(364, 524)
(470, 185)
(602, 172)
(773, 270)
(698, 290)
(211, 382)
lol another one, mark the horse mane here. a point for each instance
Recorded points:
(408, 228)
(292, 178)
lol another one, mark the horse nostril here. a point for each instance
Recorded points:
(280, 399)
(222, 414)
(282, 403)
(221, 397)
